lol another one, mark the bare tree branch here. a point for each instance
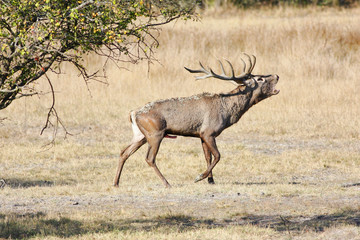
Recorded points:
(52, 111)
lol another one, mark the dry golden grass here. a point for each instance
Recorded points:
(294, 157)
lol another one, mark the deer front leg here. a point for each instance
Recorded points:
(208, 158)
(211, 144)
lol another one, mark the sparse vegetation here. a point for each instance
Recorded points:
(289, 168)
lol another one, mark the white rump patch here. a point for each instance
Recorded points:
(138, 135)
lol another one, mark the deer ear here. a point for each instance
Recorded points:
(250, 83)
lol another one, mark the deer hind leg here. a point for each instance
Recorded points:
(137, 141)
(154, 144)
(208, 158)
(125, 154)
(211, 144)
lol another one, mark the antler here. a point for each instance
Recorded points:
(246, 74)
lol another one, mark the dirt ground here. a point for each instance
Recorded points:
(189, 205)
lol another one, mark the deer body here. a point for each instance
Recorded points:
(190, 116)
(203, 116)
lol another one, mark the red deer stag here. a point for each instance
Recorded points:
(203, 116)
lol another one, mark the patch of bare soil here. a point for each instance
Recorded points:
(183, 212)
(221, 208)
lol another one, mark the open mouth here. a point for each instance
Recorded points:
(275, 91)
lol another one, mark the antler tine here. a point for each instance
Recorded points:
(202, 67)
(249, 59)
(244, 68)
(202, 70)
(223, 75)
(222, 67)
(232, 68)
(242, 75)
(253, 63)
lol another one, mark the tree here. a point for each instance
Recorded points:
(37, 35)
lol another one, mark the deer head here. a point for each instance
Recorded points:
(262, 86)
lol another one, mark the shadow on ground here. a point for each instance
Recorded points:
(30, 225)
(26, 183)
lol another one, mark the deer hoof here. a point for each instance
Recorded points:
(211, 180)
(199, 178)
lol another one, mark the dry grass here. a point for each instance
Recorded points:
(289, 168)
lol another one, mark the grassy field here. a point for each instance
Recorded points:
(290, 169)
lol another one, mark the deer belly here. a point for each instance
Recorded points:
(188, 130)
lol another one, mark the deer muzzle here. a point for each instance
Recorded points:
(275, 91)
